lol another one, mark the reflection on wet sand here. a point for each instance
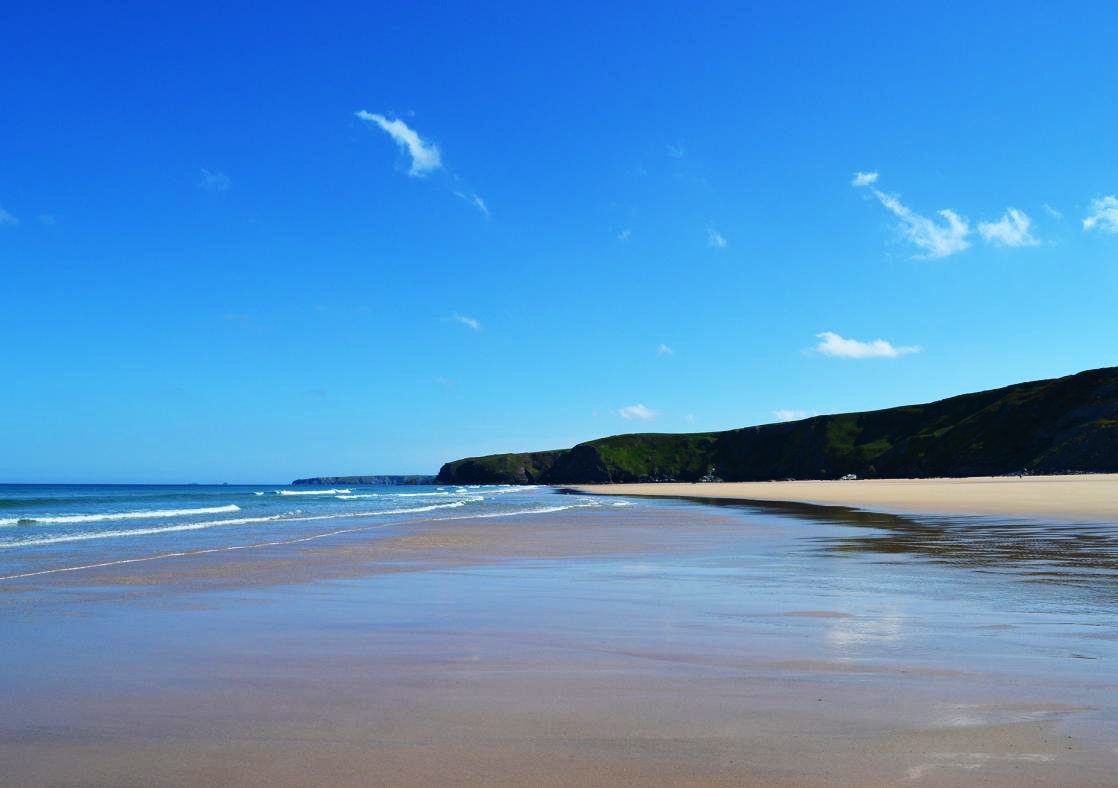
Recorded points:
(1083, 553)
(662, 643)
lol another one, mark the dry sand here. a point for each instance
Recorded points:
(1086, 497)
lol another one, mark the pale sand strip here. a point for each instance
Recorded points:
(1087, 497)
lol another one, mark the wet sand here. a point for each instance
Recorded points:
(655, 644)
(1088, 496)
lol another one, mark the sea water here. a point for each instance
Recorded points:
(47, 528)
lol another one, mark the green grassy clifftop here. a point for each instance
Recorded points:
(1047, 426)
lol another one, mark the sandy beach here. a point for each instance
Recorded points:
(659, 642)
(1080, 497)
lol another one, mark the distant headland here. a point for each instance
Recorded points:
(1062, 425)
(367, 480)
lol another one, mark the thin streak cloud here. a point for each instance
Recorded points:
(468, 322)
(425, 156)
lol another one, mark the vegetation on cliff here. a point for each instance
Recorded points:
(1049, 426)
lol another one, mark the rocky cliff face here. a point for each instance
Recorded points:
(1062, 425)
(525, 468)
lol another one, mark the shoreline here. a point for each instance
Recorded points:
(653, 644)
(1074, 497)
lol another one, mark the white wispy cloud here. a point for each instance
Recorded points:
(215, 181)
(784, 414)
(664, 350)
(831, 344)
(1055, 214)
(48, 219)
(469, 322)
(637, 412)
(1011, 230)
(715, 239)
(676, 151)
(1103, 214)
(950, 236)
(689, 418)
(7, 218)
(625, 235)
(475, 201)
(425, 156)
(936, 239)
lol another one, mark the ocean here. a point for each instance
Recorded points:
(46, 529)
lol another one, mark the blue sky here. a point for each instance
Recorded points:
(636, 218)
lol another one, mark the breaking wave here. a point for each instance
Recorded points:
(543, 510)
(143, 514)
(287, 518)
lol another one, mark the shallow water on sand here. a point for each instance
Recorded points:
(654, 643)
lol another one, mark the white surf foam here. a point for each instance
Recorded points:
(83, 537)
(134, 515)
(310, 492)
(544, 510)
(443, 494)
(424, 494)
(278, 542)
(189, 553)
(286, 518)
